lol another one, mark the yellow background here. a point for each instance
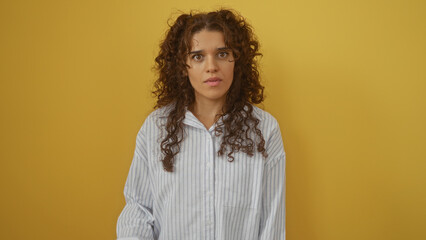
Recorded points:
(345, 79)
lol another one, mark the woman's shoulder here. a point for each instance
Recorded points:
(156, 118)
(263, 115)
(160, 113)
(271, 132)
(268, 124)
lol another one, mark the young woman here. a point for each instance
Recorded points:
(208, 164)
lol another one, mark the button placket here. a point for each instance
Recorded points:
(209, 191)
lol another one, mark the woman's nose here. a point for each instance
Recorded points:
(211, 64)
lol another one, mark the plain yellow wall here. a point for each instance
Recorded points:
(345, 79)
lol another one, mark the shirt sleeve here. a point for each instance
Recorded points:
(136, 220)
(272, 222)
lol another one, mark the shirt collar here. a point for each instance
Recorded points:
(193, 121)
(190, 119)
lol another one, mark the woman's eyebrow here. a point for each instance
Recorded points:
(223, 48)
(194, 52)
(200, 51)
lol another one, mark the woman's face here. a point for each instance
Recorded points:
(211, 66)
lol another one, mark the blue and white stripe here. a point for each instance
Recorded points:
(206, 197)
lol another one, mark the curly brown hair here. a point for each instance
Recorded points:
(174, 88)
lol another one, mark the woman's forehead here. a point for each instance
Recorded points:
(206, 39)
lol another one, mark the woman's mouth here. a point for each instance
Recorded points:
(213, 81)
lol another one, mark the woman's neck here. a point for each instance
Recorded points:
(207, 111)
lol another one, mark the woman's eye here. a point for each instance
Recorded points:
(223, 54)
(197, 57)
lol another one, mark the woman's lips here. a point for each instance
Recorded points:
(214, 81)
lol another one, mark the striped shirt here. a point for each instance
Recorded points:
(206, 197)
